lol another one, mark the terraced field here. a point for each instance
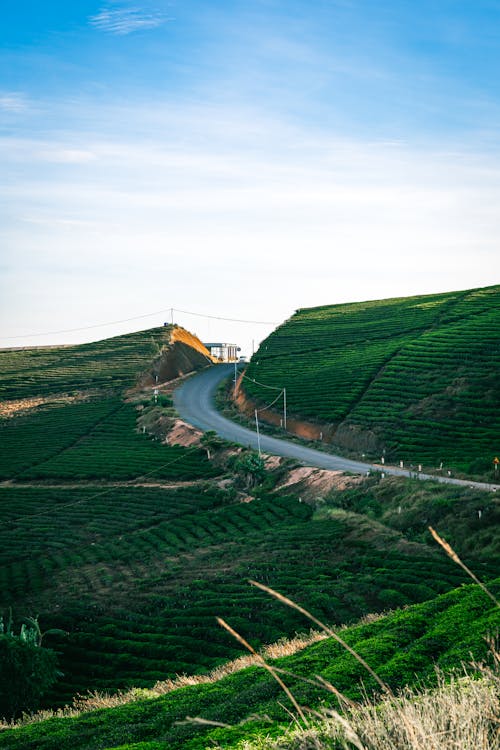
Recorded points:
(111, 363)
(134, 547)
(416, 378)
(404, 647)
(137, 575)
(91, 440)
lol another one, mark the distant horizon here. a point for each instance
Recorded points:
(125, 329)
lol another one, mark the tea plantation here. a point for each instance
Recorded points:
(133, 547)
(111, 363)
(415, 378)
(404, 648)
(95, 439)
(136, 575)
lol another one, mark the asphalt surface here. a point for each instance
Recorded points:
(195, 403)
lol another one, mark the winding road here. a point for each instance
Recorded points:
(194, 401)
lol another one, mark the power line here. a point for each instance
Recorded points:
(87, 328)
(229, 320)
(264, 385)
(264, 408)
(139, 317)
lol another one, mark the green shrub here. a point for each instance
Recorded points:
(27, 671)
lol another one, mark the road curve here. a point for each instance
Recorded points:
(194, 401)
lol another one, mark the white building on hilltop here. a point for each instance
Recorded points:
(223, 352)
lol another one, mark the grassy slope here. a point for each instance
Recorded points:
(416, 377)
(403, 647)
(111, 363)
(94, 439)
(64, 541)
(469, 519)
(137, 574)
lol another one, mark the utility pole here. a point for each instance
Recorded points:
(284, 408)
(172, 316)
(258, 433)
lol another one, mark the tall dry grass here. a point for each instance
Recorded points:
(94, 700)
(460, 714)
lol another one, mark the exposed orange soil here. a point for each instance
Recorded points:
(183, 434)
(185, 337)
(183, 355)
(317, 482)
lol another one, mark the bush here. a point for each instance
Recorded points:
(251, 469)
(27, 671)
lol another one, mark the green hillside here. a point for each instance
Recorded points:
(70, 521)
(111, 363)
(404, 648)
(133, 547)
(94, 439)
(416, 378)
(136, 575)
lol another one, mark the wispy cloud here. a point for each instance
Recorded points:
(124, 21)
(125, 214)
(14, 102)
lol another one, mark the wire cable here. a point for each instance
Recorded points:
(271, 387)
(140, 317)
(230, 320)
(264, 408)
(87, 328)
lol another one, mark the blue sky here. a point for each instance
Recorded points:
(241, 159)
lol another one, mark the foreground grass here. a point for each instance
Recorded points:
(404, 648)
(462, 713)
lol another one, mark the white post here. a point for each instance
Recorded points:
(284, 408)
(258, 433)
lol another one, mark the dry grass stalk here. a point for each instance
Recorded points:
(459, 715)
(326, 629)
(95, 700)
(289, 646)
(453, 555)
(266, 666)
(456, 715)
(290, 603)
(204, 722)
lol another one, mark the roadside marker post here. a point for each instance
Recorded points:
(258, 433)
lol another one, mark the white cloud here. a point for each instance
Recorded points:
(124, 21)
(14, 102)
(67, 156)
(212, 213)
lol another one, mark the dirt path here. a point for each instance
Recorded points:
(99, 485)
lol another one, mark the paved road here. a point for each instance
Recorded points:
(195, 403)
